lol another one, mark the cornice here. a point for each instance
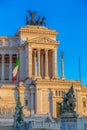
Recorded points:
(84, 89)
(37, 30)
(10, 87)
(58, 82)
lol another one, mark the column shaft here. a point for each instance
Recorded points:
(10, 67)
(39, 63)
(35, 65)
(46, 64)
(3, 66)
(42, 71)
(55, 63)
(29, 61)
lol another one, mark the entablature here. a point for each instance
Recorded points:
(36, 30)
(58, 83)
(43, 42)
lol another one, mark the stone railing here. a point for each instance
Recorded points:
(81, 124)
(38, 125)
(9, 44)
(46, 125)
(6, 122)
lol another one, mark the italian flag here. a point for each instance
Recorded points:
(15, 70)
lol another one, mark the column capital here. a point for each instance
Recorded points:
(35, 53)
(10, 55)
(38, 49)
(46, 50)
(3, 56)
(54, 50)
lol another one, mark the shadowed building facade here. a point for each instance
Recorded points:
(38, 63)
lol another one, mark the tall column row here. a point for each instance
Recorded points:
(40, 67)
(9, 69)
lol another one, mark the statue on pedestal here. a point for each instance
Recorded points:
(69, 102)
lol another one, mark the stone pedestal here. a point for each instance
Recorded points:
(68, 121)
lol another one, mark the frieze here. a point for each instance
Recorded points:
(43, 40)
(36, 29)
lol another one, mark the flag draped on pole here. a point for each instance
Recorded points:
(15, 70)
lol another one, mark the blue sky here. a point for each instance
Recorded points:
(68, 17)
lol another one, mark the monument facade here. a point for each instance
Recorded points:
(41, 89)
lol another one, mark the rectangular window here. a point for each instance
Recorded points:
(84, 104)
(57, 93)
(26, 102)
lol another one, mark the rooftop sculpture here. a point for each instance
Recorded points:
(30, 19)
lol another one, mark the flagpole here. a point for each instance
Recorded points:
(19, 71)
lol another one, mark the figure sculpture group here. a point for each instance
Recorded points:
(69, 101)
(40, 21)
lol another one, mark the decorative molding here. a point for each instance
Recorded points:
(44, 40)
(36, 30)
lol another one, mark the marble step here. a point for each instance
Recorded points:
(7, 128)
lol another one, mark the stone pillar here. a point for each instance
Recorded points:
(42, 72)
(29, 61)
(54, 64)
(39, 76)
(46, 64)
(2, 67)
(32, 100)
(35, 59)
(10, 67)
(62, 65)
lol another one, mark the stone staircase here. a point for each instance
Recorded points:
(7, 128)
(6, 124)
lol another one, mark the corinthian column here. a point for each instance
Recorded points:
(10, 67)
(55, 63)
(29, 61)
(2, 66)
(39, 76)
(46, 64)
(34, 62)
